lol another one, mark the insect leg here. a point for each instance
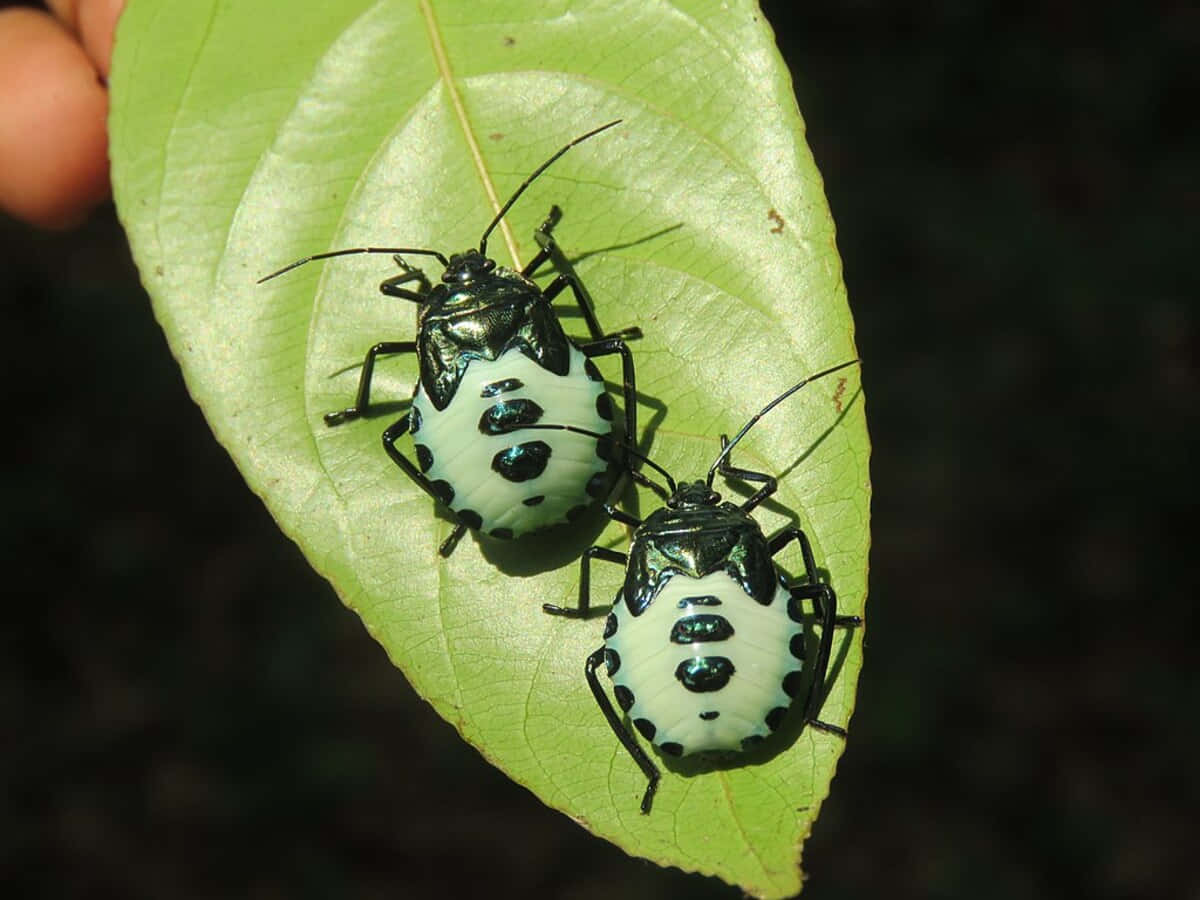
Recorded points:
(545, 242)
(607, 347)
(614, 722)
(390, 435)
(768, 482)
(391, 287)
(824, 602)
(364, 382)
(780, 539)
(568, 278)
(585, 582)
(447, 546)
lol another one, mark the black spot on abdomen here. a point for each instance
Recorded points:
(501, 387)
(522, 462)
(703, 674)
(442, 490)
(604, 407)
(424, 457)
(612, 661)
(706, 600)
(699, 628)
(470, 518)
(624, 695)
(508, 415)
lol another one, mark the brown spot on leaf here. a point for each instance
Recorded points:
(775, 217)
(838, 394)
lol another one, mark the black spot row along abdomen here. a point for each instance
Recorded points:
(704, 666)
(508, 483)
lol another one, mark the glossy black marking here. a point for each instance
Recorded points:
(515, 319)
(534, 500)
(749, 743)
(441, 488)
(507, 415)
(671, 748)
(604, 407)
(775, 717)
(796, 645)
(610, 626)
(424, 457)
(592, 372)
(522, 462)
(697, 541)
(604, 448)
(414, 420)
(470, 518)
(646, 727)
(505, 534)
(501, 387)
(624, 695)
(575, 512)
(795, 610)
(791, 683)
(612, 660)
(597, 485)
(702, 674)
(708, 600)
(700, 628)
(709, 715)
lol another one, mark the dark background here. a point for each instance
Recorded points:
(189, 712)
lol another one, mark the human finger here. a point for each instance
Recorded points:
(53, 140)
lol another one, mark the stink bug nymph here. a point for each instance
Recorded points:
(706, 640)
(494, 358)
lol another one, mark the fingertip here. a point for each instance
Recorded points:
(97, 24)
(53, 139)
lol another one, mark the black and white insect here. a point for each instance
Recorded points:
(706, 643)
(494, 358)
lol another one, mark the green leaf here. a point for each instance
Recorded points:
(246, 135)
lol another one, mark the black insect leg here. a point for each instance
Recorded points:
(545, 242)
(768, 482)
(824, 603)
(780, 539)
(364, 382)
(568, 278)
(614, 722)
(585, 582)
(391, 287)
(390, 435)
(607, 347)
(447, 546)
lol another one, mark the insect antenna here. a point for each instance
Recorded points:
(351, 250)
(766, 409)
(632, 451)
(528, 181)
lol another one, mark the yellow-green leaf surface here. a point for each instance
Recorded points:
(245, 135)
